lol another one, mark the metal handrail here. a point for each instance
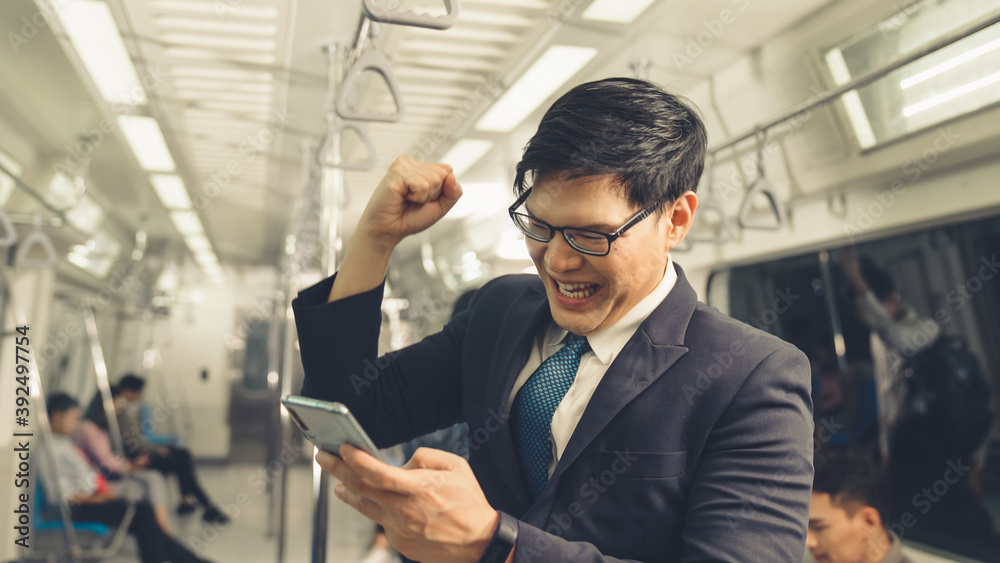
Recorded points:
(865, 79)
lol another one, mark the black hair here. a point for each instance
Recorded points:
(132, 382)
(847, 476)
(95, 409)
(878, 280)
(60, 402)
(652, 140)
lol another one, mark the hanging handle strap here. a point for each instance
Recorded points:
(412, 19)
(36, 237)
(325, 150)
(764, 187)
(376, 61)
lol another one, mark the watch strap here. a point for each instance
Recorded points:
(503, 540)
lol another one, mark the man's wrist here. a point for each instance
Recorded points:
(501, 544)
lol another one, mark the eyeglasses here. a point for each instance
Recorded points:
(594, 243)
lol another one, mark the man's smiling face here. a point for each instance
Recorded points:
(590, 293)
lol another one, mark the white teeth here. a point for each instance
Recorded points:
(577, 290)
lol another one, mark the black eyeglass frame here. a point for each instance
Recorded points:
(611, 237)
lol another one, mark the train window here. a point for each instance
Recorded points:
(6, 182)
(901, 334)
(950, 82)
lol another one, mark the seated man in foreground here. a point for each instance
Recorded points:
(611, 416)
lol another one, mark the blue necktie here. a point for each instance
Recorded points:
(533, 407)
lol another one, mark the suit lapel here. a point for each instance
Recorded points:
(655, 346)
(516, 336)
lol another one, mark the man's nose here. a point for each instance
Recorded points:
(560, 256)
(812, 542)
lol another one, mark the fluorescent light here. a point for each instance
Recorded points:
(616, 11)
(187, 222)
(852, 101)
(951, 94)
(86, 215)
(478, 200)
(146, 140)
(949, 64)
(546, 75)
(94, 34)
(465, 153)
(171, 191)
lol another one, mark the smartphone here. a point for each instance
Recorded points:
(328, 425)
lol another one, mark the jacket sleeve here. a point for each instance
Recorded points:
(395, 397)
(749, 498)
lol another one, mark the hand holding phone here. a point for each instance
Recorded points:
(328, 425)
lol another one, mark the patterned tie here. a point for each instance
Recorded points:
(533, 407)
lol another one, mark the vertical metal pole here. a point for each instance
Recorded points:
(41, 415)
(289, 271)
(331, 188)
(831, 306)
(103, 385)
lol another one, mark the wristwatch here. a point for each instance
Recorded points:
(504, 537)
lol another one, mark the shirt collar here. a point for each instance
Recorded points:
(609, 342)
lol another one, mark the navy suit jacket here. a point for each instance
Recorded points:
(696, 445)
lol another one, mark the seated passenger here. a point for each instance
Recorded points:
(92, 499)
(846, 512)
(92, 437)
(141, 484)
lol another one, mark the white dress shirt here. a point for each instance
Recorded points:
(604, 348)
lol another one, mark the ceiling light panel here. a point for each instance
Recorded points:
(616, 11)
(94, 34)
(553, 69)
(146, 140)
(171, 190)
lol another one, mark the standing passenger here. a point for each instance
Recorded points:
(611, 415)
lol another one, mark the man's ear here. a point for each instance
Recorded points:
(870, 518)
(680, 217)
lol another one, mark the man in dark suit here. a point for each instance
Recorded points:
(611, 416)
